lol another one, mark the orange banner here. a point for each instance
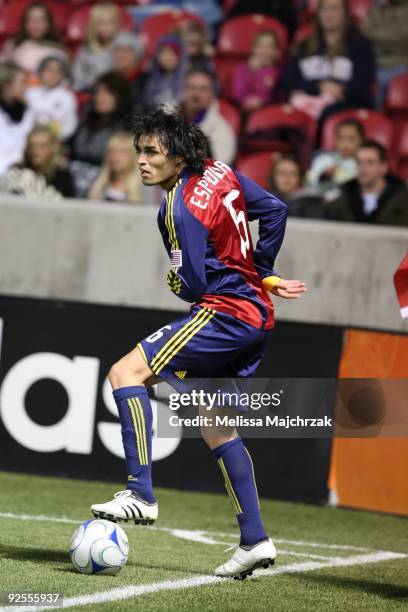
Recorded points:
(372, 473)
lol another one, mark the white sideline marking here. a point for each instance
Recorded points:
(194, 535)
(127, 592)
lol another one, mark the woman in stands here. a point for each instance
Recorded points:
(16, 120)
(334, 68)
(44, 157)
(110, 102)
(119, 179)
(36, 39)
(95, 56)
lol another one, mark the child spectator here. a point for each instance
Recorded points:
(286, 177)
(35, 40)
(286, 182)
(256, 82)
(164, 82)
(110, 102)
(16, 120)
(52, 102)
(43, 156)
(95, 57)
(119, 179)
(330, 168)
(197, 46)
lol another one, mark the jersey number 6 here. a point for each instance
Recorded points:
(239, 220)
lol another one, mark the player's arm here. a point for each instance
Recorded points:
(271, 214)
(188, 280)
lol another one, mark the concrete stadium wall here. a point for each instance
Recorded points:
(112, 254)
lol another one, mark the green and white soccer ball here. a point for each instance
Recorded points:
(99, 547)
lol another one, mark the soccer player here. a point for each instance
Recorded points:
(204, 224)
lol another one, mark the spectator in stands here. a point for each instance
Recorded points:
(386, 27)
(286, 181)
(282, 11)
(16, 120)
(200, 106)
(197, 46)
(43, 156)
(332, 69)
(255, 83)
(36, 39)
(330, 168)
(163, 84)
(95, 57)
(52, 102)
(110, 102)
(374, 196)
(285, 178)
(119, 179)
(127, 55)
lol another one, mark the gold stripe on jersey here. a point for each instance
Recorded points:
(231, 493)
(169, 218)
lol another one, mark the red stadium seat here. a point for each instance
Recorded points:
(376, 126)
(156, 26)
(402, 151)
(303, 32)
(11, 15)
(231, 114)
(77, 24)
(224, 68)
(280, 117)
(396, 104)
(237, 34)
(258, 166)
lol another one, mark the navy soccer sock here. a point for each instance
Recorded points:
(136, 418)
(236, 467)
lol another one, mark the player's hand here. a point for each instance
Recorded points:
(288, 289)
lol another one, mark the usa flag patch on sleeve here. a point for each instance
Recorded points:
(176, 258)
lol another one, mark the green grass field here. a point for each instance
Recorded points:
(328, 559)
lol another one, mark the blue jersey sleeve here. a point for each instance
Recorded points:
(187, 278)
(271, 214)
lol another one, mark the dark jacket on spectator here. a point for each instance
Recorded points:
(392, 204)
(284, 11)
(89, 141)
(355, 70)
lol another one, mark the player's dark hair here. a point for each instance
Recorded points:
(176, 134)
(355, 123)
(373, 144)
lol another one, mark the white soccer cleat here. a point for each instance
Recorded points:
(244, 561)
(125, 506)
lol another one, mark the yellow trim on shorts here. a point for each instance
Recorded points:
(180, 339)
(141, 349)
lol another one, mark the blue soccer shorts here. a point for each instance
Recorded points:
(204, 344)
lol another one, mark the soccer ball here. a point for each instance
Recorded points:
(99, 547)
